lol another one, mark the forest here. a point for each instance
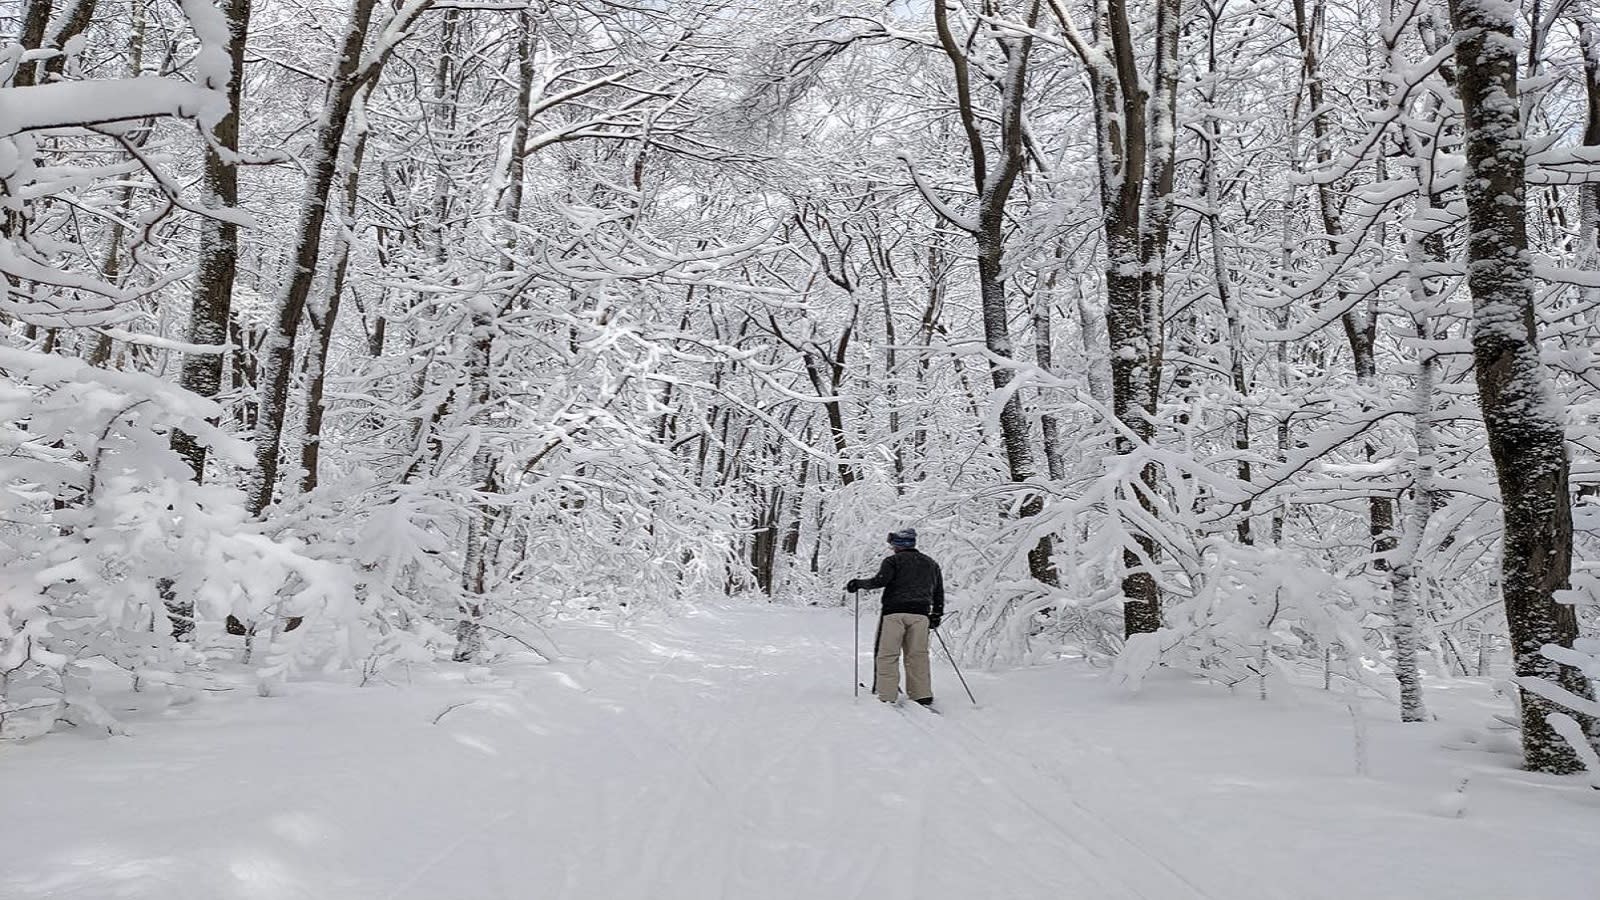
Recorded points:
(1254, 340)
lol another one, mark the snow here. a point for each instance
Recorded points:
(721, 755)
(213, 64)
(102, 101)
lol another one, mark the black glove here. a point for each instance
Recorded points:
(933, 620)
(853, 584)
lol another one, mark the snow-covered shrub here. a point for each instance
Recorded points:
(1252, 609)
(100, 518)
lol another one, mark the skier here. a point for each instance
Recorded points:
(913, 604)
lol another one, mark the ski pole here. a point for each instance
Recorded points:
(953, 665)
(857, 680)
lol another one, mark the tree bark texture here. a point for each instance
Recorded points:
(1524, 425)
(1133, 326)
(211, 301)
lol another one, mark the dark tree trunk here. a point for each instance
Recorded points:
(278, 351)
(1589, 193)
(797, 506)
(1222, 278)
(891, 364)
(35, 19)
(78, 19)
(212, 299)
(764, 542)
(30, 36)
(1044, 357)
(324, 319)
(993, 180)
(1013, 424)
(1526, 437)
(1360, 326)
(99, 354)
(1122, 117)
(349, 77)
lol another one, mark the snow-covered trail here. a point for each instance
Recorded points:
(720, 755)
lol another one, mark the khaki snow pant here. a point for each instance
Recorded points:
(906, 632)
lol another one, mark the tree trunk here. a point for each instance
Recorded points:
(926, 327)
(1223, 281)
(1122, 119)
(78, 17)
(1403, 580)
(1526, 434)
(1044, 357)
(321, 163)
(35, 19)
(1424, 251)
(834, 407)
(480, 362)
(891, 375)
(797, 505)
(469, 634)
(1589, 193)
(993, 181)
(325, 317)
(212, 299)
(1133, 155)
(1360, 326)
(764, 542)
(30, 36)
(1154, 226)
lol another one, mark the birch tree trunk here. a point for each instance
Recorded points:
(1424, 250)
(1525, 427)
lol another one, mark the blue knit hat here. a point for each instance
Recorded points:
(904, 539)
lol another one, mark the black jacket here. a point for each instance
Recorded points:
(911, 582)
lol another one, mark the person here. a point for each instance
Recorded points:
(913, 604)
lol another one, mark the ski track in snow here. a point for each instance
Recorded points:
(721, 755)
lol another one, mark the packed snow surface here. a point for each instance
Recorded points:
(721, 755)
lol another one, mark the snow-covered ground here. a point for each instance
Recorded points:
(720, 755)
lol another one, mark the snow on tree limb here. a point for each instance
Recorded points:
(102, 102)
